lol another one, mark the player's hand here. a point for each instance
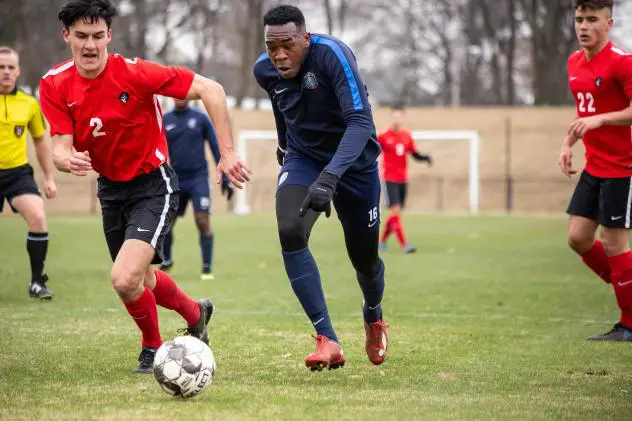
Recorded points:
(280, 153)
(580, 126)
(227, 189)
(80, 163)
(320, 194)
(566, 160)
(50, 189)
(234, 168)
(429, 161)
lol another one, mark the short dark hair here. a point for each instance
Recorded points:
(280, 15)
(398, 107)
(90, 11)
(594, 4)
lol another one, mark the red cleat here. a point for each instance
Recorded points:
(328, 355)
(376, 341)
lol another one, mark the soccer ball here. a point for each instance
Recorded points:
(184, 366)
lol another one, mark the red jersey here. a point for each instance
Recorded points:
(396, 145)
(116, 116)
(603, 85)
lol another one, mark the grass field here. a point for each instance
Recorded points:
(488, 322)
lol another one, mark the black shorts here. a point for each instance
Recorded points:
(15, 182)
(605, 200)
(395, 193)
(143, 208)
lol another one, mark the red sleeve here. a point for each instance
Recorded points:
(54, 109)
(173, 82)
(623, 72)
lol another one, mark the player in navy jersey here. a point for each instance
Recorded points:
(328, 150)
(187, 131)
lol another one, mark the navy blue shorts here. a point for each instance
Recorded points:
(196, 189)
(357, 198)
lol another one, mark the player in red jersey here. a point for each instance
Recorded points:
(104, 115)
(397, 143)
(600, 78)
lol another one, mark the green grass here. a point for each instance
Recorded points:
(488, 322)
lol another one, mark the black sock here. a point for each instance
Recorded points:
(37, 246)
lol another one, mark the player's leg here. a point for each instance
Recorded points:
(201, 199)
(294, 231)
(615, 219)
(184, 196)
(357, 208)
(393, 202)
(583, 211)
(398, 225)
(24, 197)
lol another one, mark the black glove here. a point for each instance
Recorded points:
(280, 155)
(320, 194)
(419, 157)
(227, 189)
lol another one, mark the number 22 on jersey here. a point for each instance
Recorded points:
(586, 102)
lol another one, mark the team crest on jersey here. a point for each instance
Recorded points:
(310, 81)
(191, 123)
(598, 81)
(124, 97)
(18, 130)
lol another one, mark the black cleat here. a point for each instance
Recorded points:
(617, 333)
(166, 265)
(146, 361)
(409, 249)
(200, 329)
(40, 290)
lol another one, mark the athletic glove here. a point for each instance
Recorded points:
(419, 157)
(280, 155)
(227, 189)
(320, 194)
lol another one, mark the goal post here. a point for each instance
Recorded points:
(470, 136)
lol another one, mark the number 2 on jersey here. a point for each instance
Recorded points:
(98, 125)
(586, 102)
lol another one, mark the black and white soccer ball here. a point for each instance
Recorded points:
(184, 366)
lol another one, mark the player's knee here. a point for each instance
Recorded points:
(580, 242)
(203, 225)
(127, 282)
(614, 242)
(36, 220)
(292, 234)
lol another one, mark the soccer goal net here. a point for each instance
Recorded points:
(245, 137)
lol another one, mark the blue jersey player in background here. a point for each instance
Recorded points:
(187, 131)
(328, 150)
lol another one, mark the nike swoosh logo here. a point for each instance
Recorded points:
(170, 127)
(372, 223)
(139, 229)
(71, 104)
(614, 218)
(318, 321)
(572, 78)
(621, 284)
(278, 92)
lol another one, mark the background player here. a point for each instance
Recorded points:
(105, 107)
(187, 130)
(600, 78)
(397, 143)
(19, 111)
(328, 147)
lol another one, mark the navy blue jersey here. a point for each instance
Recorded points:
(186, 132)
(324, 112)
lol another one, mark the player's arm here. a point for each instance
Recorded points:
(211, 139)
(353, 100)
(623, 74)
(56, 112)
(37, 128)
(414, 152)
(214, 99)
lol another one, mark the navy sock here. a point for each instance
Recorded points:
(373, 290)
(305, 280)
(166, 247)
(206, 246)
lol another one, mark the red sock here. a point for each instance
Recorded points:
(621, 275)
(169, 296)
(387, 230)
(399, 230)
(597, 260)
(143, 311)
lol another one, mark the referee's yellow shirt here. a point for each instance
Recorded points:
(18, 111)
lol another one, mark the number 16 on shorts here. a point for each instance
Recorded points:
(374, 216)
